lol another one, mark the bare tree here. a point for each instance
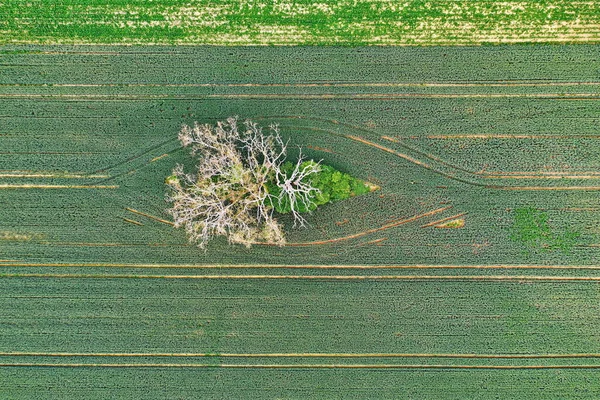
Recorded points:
(296, 189)
(228, 194)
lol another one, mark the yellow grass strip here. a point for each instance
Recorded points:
(132, 221)
(32, 186)
(164, 221)
(369, 231)
(490, 278)
(390, 139)
(439, 221)
(159, 157)
(15, 263)
(294, 366)
(304, 355)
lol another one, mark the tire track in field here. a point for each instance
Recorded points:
(114, 167)
(50, 175)
(308, 84)
(363, 233)
(295, 366)
(304, 96)
(303, 355)
(393, 224)
(475, 174)
(13, 263)
(459, 278)
(164, 221)
(509, 136)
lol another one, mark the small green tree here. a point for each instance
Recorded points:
(331, 184)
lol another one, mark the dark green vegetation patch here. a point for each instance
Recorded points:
(532, 229)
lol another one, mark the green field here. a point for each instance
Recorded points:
(346, 22)
(102, 298)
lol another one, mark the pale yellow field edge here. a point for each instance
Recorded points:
(12, 263)
(296, 366)
(36, 186)
(589, 36)
(483, 278)
(304, 355)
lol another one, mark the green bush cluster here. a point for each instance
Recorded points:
(532, 229)
(333, 185)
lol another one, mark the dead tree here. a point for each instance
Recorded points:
(227, 194)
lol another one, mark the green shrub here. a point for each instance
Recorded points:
(333, 185)
(532, 229)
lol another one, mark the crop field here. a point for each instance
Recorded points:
(422, 289)
(346, 22)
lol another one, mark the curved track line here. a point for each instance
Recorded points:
(480, 174)
(493, 278)
(295, 366)
(393, 152)
(401, 144)
(476, 175)
(364, 233)
(305, 355)
(499, 187)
